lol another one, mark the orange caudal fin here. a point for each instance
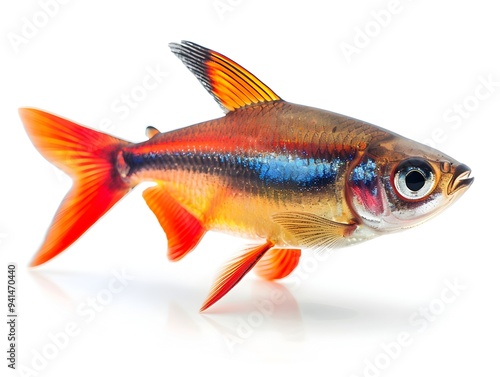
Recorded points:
(234, 272)
(86, 155)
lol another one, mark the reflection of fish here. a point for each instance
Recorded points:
(293, 176)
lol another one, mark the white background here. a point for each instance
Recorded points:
(334, 316)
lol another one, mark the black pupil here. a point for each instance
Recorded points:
(414, 180)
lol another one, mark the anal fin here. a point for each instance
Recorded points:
(183, 230)
(278, 263)
(234, 272)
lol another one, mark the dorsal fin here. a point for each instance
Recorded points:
(230, 84)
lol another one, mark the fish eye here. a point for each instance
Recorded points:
(414, 179)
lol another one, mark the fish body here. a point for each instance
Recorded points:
(290, 175)
(236, 174)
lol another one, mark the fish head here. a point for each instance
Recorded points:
(399, 183)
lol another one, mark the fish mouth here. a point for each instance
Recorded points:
(461, 179)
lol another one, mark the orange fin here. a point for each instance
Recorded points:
(314, 231)
(151, 131)
(88, 157)
(278, 263)
(183, 230)
(234, 272)
(230, 84)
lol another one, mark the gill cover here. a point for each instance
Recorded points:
(366, 189)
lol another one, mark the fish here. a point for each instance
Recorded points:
(288, 177)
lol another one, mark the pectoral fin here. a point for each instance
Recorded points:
(313, 231)
(278, 263)
(183, 230)
(233, 273)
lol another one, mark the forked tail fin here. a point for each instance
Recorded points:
(86, 155)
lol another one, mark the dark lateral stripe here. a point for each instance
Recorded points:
(281, 170)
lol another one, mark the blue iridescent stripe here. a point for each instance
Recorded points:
(277, 169)
(289, 169)
(364, 172)
(365, 175)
